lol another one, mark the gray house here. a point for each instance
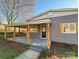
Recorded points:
(60, 25)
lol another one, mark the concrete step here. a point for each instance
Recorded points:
(30, 54)
(36, 48)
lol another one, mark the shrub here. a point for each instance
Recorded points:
(45, 52)
(76, 54)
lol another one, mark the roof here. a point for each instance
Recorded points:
(29, 23)
(44, 20)
(55, 10)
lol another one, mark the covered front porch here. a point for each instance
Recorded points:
(37, 33)
(37, 43)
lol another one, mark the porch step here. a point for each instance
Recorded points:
(36, 48)
(29, 54)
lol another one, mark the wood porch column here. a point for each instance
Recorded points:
(28, 34)
(19, 29)
(14, 34)
(48, 36)
(5, 33)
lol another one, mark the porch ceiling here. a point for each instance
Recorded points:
(24, 24)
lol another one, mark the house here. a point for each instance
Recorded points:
(60, 25)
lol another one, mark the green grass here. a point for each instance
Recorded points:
(7, 52)
(10, 49)
(69, 57)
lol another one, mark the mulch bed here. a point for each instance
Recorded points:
(19, 47)
(56, 47)
(11, 49)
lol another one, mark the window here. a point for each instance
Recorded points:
(33, 28)
(68, 28)
(43, 32)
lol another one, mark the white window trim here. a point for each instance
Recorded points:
(41, 33)
(68, 28)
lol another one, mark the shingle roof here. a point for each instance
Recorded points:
(29, 23)
(55, 10)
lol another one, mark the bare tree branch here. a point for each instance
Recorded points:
(14, 9)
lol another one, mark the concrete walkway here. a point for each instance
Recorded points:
(30, 54)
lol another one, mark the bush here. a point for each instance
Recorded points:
(76, 54)
(45, 52)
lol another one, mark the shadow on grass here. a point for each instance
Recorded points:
(10, 49)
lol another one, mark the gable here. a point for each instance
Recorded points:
(57, 13)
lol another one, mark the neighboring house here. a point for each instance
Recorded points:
(10, 29)
(2, 28)
(59, 25)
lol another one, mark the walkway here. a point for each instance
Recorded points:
(30, 54)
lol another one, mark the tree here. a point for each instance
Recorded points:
(9, 9)
(1, 21)
(12, 9)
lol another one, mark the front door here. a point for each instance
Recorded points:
(43, 32)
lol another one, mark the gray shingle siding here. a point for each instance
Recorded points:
(35, 35)
(63, 38)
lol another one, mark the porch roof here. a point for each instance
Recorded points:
(24, 24)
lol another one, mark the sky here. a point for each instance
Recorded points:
(44, 5)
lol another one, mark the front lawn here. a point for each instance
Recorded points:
(10, 49)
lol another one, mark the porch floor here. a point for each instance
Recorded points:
(34, 42)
